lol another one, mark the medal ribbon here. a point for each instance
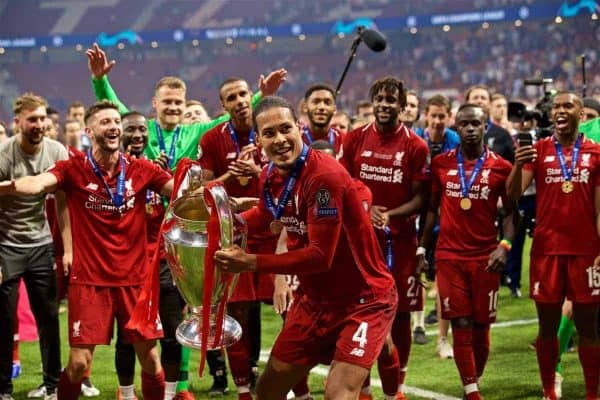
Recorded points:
(251, 137)
(389, 252)
(309, 137)
(118, 198)
(464, 187)
(289, 184)
(567, 173)
(163, 147)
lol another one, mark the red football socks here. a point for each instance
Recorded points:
(153, 386)
(389, 371)
(589, 356)
(547, 356)
(301, 387)
(481, 347)
(402, 337)
(465, 360)
(67, 390)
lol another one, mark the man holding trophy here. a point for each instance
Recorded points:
(348, 297)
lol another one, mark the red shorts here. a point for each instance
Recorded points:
(466, 289)
(252, 286)
(552, 278)
(316, 333)
(93, 309)
(410, 295)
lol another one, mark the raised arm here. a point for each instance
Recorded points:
(99, 67)
(29, 185)
(519, 178)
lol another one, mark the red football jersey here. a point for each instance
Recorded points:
(468, 234)
(324, 209)
(336, 138)
(565, 223)
(109, 249)
(219, 150)
(388, 165)
(155, 213)
(365, 195)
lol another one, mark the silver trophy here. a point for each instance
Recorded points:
(186, 242)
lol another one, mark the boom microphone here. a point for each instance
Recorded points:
(537, 81)
(374, 40)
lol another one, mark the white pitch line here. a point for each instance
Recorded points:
(376, 382)
(505, 324)
(426, 394)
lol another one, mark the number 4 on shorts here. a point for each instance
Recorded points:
(360, 335)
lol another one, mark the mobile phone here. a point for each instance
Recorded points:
(524, 139)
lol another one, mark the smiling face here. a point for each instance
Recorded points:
(135, 134)
(387, 107)
(32, 124)
(566, 109)
(279, 136)
(169, 105)
(195, 113)
(236, 99)
(320, 107)
(104, 130)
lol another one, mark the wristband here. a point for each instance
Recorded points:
(421, 251)
(506, 244)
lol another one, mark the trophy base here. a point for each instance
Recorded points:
(188, 333)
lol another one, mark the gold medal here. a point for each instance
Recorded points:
(276, 226)
(567, 187)
(244, 180)
(149, 208)
(465, 204)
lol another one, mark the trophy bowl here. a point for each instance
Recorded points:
(186, 243)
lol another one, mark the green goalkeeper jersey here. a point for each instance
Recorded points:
(187, 136)
(591, 129)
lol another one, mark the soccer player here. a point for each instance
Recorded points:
(496, 137)
(319, 101)
(393, 162)
(330, 240)
(440, 139)
(566, 169)
(166, 133)
(229, 155)
(340, 122)
(466, 185)
(194, 112)
(107, 191)
(26, 249)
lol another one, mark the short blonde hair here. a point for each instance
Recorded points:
(28, 101)
(172, 82)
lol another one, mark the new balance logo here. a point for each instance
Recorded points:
(366, 153)
(452, 172)
(549, 159)
(596, 292)
(231, 156)
(446, 304)
(357, 352)
(536, 289)
(92, 186)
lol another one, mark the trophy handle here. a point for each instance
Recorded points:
(221, 201)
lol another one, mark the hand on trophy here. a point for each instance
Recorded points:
(235, 259)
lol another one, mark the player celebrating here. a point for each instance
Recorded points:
(165, 134)
(229, 154)
(106, 190)
(319, 101)
(566, 169)
(392, 161)
(330, 240)
(466, 185)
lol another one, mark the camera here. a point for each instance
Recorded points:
(519, 112)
